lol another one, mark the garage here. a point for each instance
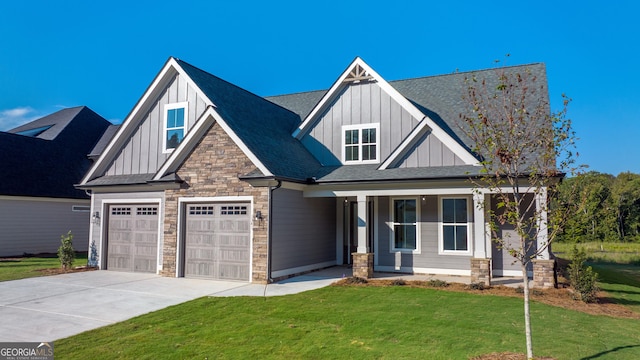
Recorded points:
(217, 241)
(132, 238)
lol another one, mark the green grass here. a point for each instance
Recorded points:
(621, 253)
(356, 323)
(26, 267)
(621, 282)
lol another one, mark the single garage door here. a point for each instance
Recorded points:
(217, 241)
(132, 240)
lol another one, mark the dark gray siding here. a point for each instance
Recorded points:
(364, 103)
(304, 230)
(428, 257)
(143, 154)
(35, 226)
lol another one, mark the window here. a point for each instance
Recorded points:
(147, 211)
(405, 225)
(81, 208)
(174, 125)
(454, 232)
(200, 210)
(233, 210)
(360, 144)
(120, 211)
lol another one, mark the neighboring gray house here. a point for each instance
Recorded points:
(205, 179)
(41, 161)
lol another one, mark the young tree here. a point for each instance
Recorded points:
(524, 150)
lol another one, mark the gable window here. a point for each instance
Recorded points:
(174, 125)
(454, 225)
(405, 225)
(360, 144)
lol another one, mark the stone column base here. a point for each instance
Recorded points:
(544, 274)
(481, 271)
(363, 265)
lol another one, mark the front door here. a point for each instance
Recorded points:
(350, 232)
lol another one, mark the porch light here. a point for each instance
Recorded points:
(95, 217)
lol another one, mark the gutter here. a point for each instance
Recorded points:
(269, 230)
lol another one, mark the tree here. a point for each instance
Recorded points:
(524, 150)
(626, 202)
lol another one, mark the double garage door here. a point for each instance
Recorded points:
(217, 241)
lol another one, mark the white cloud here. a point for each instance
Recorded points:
(11, 118)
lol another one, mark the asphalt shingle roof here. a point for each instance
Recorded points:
(49, 164)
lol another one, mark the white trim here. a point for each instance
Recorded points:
(438, 132)
(391, 222)
(104, 230)
(360, 127)
(210, 115)
(343, 191)
(183, 201)
(173, 106)
(128, 126)
(406, 144)
(510, 273)
(469, 224)
(426, 271)
(301, 269)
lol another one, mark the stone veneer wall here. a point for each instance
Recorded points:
(212, 169)
(481, 271)
(544, 274)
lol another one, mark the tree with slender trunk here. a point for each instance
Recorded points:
(524, 150)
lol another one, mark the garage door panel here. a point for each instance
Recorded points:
(217, 241)
(132, 239)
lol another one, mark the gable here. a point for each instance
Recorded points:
(144, 151)
(357, 104)
(428, 151)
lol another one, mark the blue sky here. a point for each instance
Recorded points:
(105, 54)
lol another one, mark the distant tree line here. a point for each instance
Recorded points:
(608, 207)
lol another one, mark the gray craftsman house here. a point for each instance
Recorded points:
(41, 161)
(205, 179)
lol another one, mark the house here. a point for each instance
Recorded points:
(205, 179)
(41, 161)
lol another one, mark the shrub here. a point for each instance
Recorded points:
(437, 283)
(582, 277)
(66, 254)
(476, 286)
(356, 280)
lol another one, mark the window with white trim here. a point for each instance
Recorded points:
(404, 216)
(454, 225)
(360, 144)
(174, 125)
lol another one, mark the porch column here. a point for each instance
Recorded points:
(480, 263)
(543, 234)
(544, 274)
(362, 259)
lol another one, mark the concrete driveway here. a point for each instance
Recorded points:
(53, 307)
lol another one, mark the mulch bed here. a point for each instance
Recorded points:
(57, 271)
(561, 297)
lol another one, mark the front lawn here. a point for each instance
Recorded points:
(26, 267)
(395, 322)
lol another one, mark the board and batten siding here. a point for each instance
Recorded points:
(33, 225)
(143, 153)
(428, 257)
(303, 230)
(101, 202)
(428, 152)
(363, 103)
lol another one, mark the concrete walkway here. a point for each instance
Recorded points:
(54, 307)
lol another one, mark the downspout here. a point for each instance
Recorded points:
(269, 230)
